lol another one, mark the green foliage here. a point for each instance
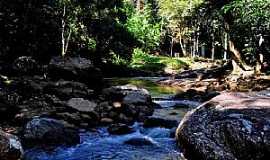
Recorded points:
(144, 28)
(144, 61)
(118, 60)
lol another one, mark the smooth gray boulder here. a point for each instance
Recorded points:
(228, 127)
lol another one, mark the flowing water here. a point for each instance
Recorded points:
(154, 143)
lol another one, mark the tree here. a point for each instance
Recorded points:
(175, 14)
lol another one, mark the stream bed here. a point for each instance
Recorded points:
(151, 143)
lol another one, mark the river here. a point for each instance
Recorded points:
(157, 143)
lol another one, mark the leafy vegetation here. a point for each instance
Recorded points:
(144, 61)
(110, 30)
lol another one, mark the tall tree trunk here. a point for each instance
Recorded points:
(67, 40)
(182, 47)
(203, 51)
(236, 55)
(63, 32)
(172, 43)
(225, 54)
(213, 46)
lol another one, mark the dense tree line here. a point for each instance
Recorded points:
(44, 28)
(105, 30)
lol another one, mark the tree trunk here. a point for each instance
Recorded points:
(63, 32)
(182, 47)
(67, 41)
(172, 43)
(213, 47)
(203, 51)
(225, 56)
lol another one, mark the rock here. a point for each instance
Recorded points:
(106, 121)
(68, 89)
(196, 95)
(159, 122)
(45, 131)
(137, 98)
(129, 102)
(125, 104)
(230, 126)
(119, 129)
(33, 107)
(139, 141)
(25, 66)
(10, 147)
(76, 69)
(172, 132)
(82, 105)
(117, 93)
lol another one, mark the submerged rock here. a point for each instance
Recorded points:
(45, 131)
(230, 126)
(10, 147)
(139, 141)
(119, 129)
(160, 122)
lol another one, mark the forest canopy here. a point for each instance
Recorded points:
(112, 30)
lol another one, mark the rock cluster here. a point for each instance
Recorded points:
(45, 105)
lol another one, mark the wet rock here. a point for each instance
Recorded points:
(230, 126)
(172, 132)
(82, 105)
(137, 98)
(25, 66)
(106, 121)
(126, 104)
(117, 93)
(10, 147)
(34, 106)
(160, 122)
(77, 69)
(45, 131)
(196, 95)
(119, 129)
(139, 141)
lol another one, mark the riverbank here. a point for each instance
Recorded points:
(57, 107)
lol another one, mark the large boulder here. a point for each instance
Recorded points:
(126, 103)
(10, 147)
(230, 126)
(77, 69)
(45, 131)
